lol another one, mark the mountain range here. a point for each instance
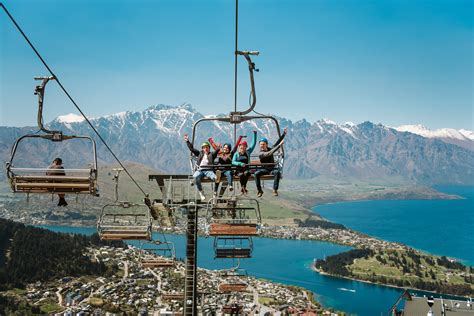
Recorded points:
(154, 137)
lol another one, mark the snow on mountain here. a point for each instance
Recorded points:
(439, 133)
(467, 134)
(70, 118)
(172, 120)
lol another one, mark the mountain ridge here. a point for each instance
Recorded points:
(366, 150)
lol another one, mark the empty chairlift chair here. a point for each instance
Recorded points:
(234, 282)
(149, 252)
(125, 221)
(233, 247)
(34, 179)
(233, 217)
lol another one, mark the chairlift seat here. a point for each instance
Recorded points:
(233, 309)
(173, 296)
(218, 229)
(227, 253)
(53, 184)
(125, 235)
(232, 287)
(157, 263)
(237, 178)
(120, 222)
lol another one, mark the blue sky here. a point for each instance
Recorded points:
(394, 62)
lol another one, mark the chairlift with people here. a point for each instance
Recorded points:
(236, 118)
(32, 179)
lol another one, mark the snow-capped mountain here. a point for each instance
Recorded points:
(460, 137)
(154, 137)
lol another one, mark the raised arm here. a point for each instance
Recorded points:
(236, 145)
(271, 152)
(194, 151)
(285, 131)
(213, 143)
(254, 142)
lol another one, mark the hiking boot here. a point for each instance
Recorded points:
(260, 193)
(275, 193)
(218, 176)
(202, 196)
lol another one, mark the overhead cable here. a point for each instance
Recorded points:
(70, 97)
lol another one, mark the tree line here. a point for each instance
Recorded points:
(29, 254)
(308, 222)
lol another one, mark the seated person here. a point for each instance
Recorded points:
(241, 159)
(225, 158)
(266, 156)
(57, 170)
(204, 159)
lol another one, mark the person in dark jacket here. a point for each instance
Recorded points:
(225, 158)
(56, 169)
(241, 159)
(266, 157)
(204, 159)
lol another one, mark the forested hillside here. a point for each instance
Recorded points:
(29, 254)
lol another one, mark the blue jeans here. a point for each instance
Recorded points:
(198, 175)
(261, 172)
(228, 174)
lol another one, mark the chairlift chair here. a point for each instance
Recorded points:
(125, 221)
(148, 252)
(173, 296)
(232, 309)
(37, 180)
(239, 117)
(233, 217)
(228, 247)
(234, 282)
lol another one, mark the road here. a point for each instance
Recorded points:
(125, 269)
(60, 296)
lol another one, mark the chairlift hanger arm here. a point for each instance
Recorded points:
(39, 91)
(252, 68)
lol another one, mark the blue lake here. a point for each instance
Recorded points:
(288, 262)
(441, 227)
